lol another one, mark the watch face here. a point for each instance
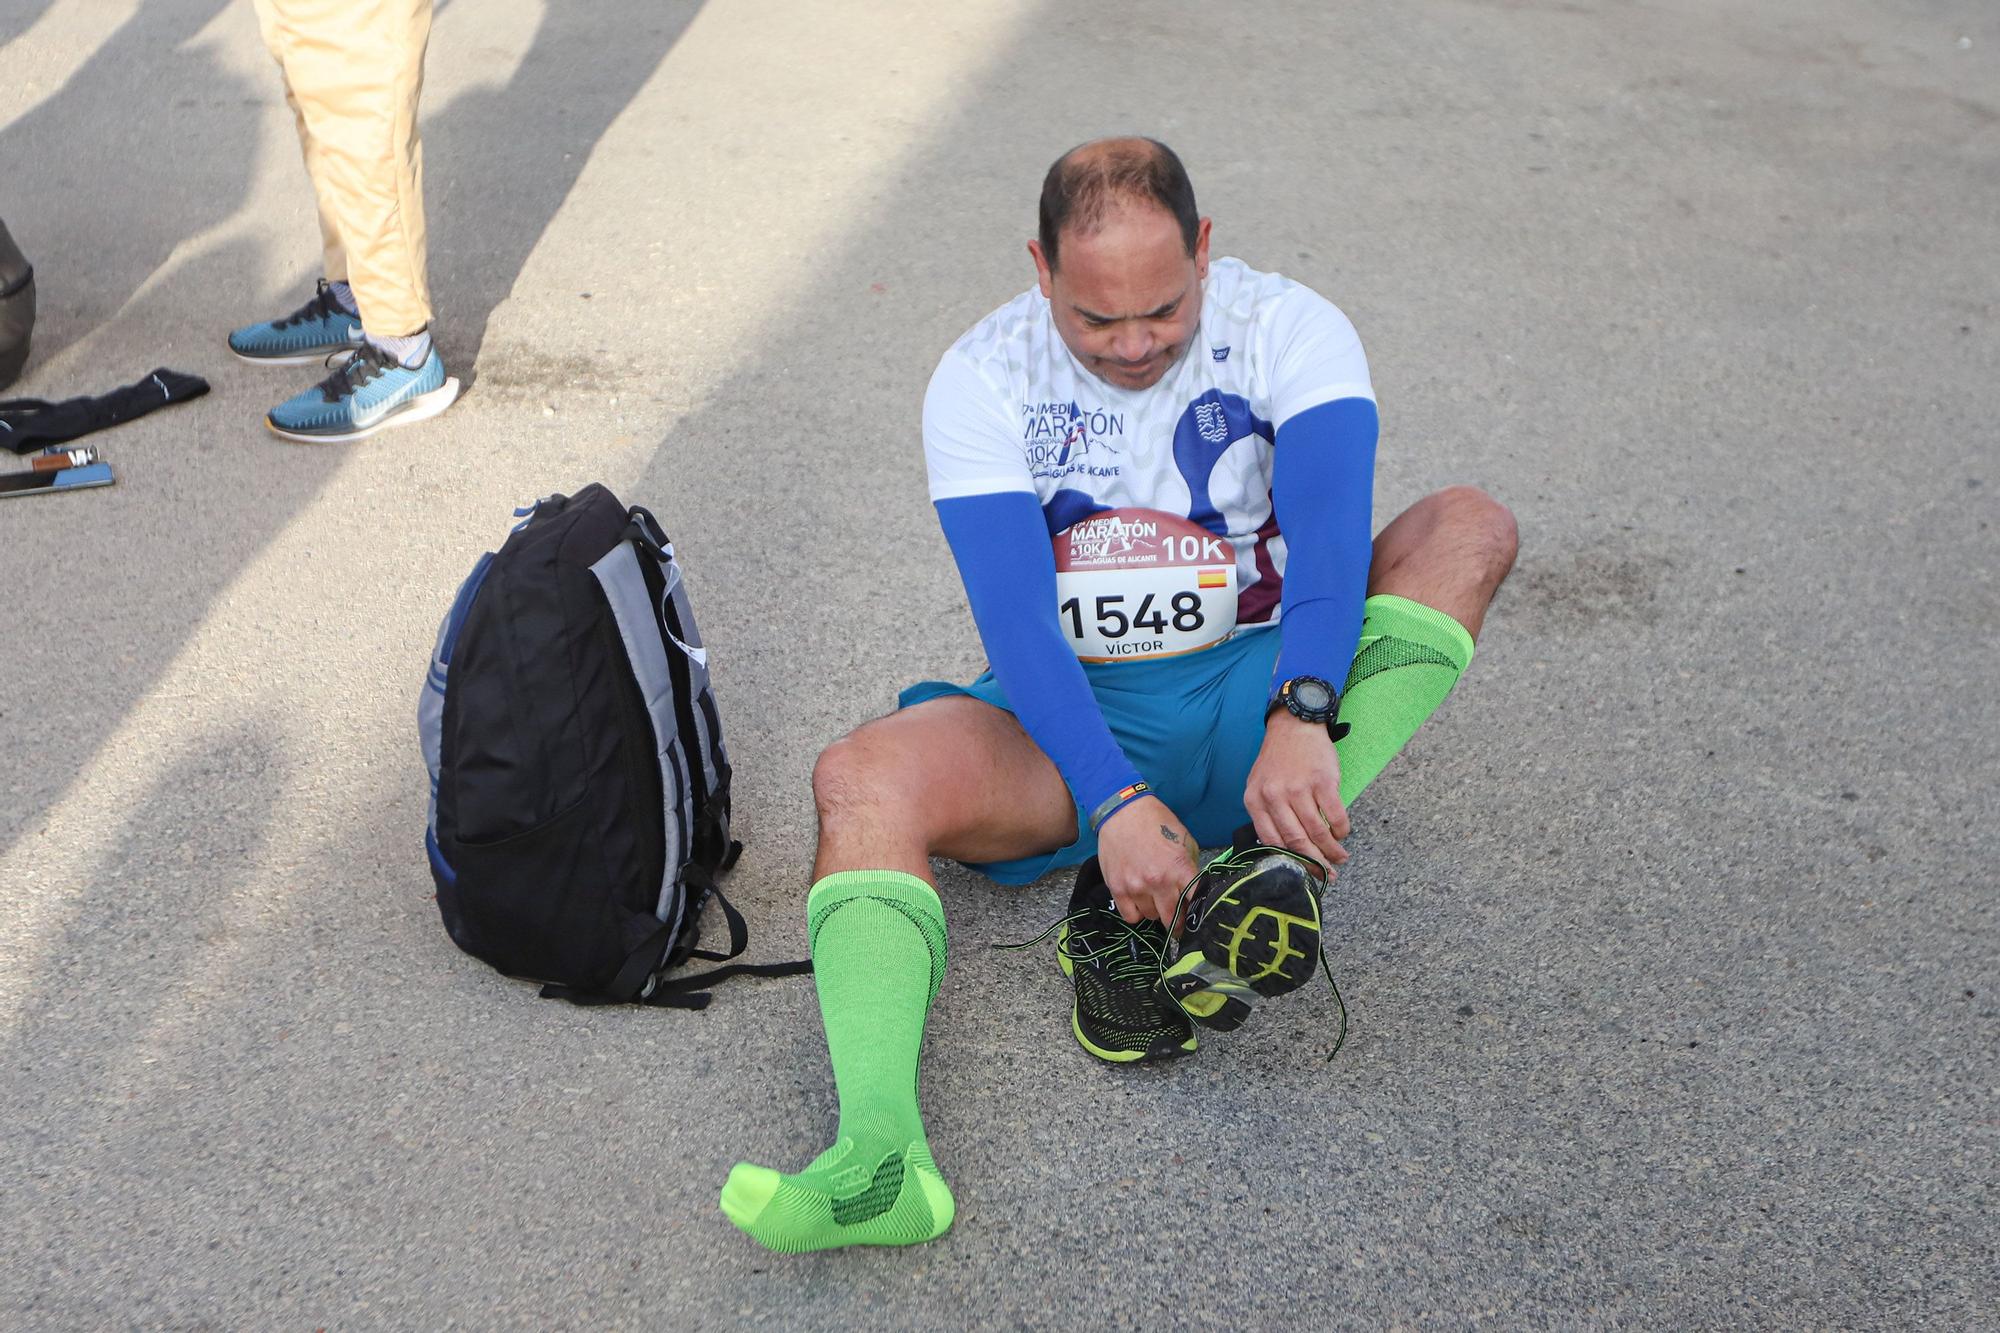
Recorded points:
(1312, 695)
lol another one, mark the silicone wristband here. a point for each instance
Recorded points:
(1117, 801)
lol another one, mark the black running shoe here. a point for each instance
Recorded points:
(1120, 1013)
(1251, 929)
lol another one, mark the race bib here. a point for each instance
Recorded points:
(1137, 584)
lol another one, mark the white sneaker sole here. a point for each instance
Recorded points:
(421, 408)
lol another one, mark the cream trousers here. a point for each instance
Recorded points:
(354, 70)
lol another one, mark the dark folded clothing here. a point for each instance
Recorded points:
(27, 424)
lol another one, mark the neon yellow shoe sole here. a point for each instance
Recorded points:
(1252, 931)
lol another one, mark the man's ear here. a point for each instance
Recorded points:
(1044, 273)
(1201, 250)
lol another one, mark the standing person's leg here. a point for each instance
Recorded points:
(277, 40)
(953, 777)
(354, 70)
(333, 250)
(355, 73)
(1434, 572)
(330, 322)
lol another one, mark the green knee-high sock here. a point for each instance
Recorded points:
(878, 955)
(1410, 657)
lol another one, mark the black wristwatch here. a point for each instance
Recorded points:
(1310, 699)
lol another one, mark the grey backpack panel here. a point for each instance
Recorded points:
(640, 631)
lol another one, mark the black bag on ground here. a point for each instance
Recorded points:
(579, 782)
(17, 308)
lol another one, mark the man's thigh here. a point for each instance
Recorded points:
(967, 772)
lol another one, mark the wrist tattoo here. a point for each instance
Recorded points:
(1169, 834)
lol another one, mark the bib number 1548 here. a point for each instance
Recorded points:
(1112, 620)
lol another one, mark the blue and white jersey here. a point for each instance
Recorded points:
(1010, 409)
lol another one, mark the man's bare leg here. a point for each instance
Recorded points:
(955, 777)
(1450, 551)
(1435, 570)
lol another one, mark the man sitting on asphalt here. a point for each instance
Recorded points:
(1155, 473)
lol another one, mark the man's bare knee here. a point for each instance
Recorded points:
(952, 777)
(857, 778)
(1481, 527)
(1449, 550)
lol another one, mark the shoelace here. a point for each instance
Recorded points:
(321, 305)
(1126, 952)
(1128, 964)
(355, 370)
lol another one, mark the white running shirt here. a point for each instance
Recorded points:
(1010, 409)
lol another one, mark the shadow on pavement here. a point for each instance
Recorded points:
(99, 198)
(493, 189)
(13, 24)
(114, 1046)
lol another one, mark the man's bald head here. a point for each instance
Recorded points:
(1090, 181)
(1127, 300)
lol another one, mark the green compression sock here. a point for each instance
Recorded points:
(877, 939)
(1410, 657)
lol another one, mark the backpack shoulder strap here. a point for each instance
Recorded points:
(672, 992)
(681, 992)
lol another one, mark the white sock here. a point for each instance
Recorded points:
(409, 352)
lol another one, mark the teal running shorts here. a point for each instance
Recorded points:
(1191, 725)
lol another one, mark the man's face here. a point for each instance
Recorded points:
(1127, 298)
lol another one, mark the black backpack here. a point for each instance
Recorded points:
(579, 783)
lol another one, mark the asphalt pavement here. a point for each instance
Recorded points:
(1671, 943)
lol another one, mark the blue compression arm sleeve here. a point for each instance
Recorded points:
(1323, 489)
(1001, 543)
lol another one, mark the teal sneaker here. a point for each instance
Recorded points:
(1251, 931)
(368, 391)
(316, 330)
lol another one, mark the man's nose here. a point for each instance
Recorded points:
(1131, 344)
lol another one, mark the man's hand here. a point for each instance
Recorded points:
(1147, 858)
(1293, 795)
